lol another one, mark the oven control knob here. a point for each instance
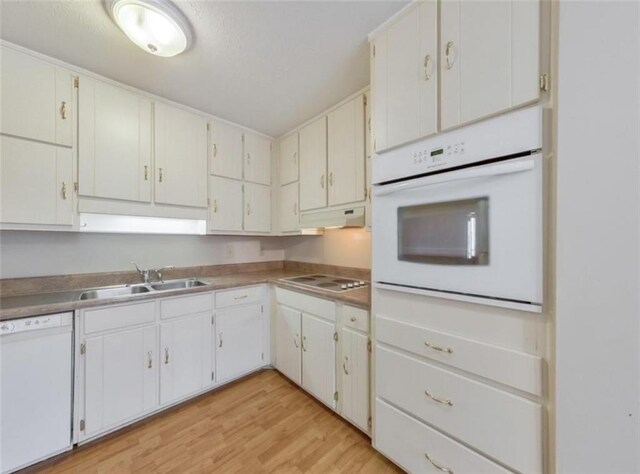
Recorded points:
(349, 285)
(344, 287)
(362, 283)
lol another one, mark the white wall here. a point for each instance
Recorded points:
(598, 238)
(25, 254)
(343, 247)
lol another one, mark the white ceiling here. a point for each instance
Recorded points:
(267, 65)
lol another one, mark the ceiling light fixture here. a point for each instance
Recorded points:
(156, 26)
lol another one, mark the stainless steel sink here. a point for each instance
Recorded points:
(113, 292)
(177, 284)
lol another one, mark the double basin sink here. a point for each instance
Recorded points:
(141, 288)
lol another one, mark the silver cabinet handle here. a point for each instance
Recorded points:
(444, 401)
(331, 179)
(220, 337)
(63, 110)
(438, 348)
(304, 339)
(166, 355)
(248, 209)
(160, 175)
(215, 205)
(353, 319)
(295, 341)
(427, 67)
(295, 208)
(322, 181)
(249, 158)
(215, 150)
(64, 190)
(438, 466)
(447, 54)
(146, 173)
(241, 297)
(344, 365)
(149, 360)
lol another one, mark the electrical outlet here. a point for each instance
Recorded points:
(229, 251)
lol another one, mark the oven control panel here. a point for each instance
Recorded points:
(439, 156)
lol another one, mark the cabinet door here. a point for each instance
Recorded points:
(368, 167)
(225, 207)
(492, 63)
(181, 157)
(289, 208)
(36, 182)
(257, 159)
(289, 159)
(288, 338)
(345, 152)
(36, 99)
(379, 87)
(120, 379)
(185, 357)
(354, 372)
(238, 341)
(313, 162)
(226, 150)
(114, 142)
(257, 203)
(319, 358)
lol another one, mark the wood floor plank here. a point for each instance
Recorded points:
(262, 424)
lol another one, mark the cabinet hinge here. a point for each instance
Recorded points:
(262, 308)
(76, 187)
(262, 356)
(243, 138)
(374, 50)
(208, 202)
(374, 145)
(213, 375)
(213, 318)
(369, 345)
(544, 82)
(208, 127)
(335, 336)
(369, 423)
(365, 100)
(83, 349)
(335, 396)
(76, 82)
(82, 424)
(369, 124)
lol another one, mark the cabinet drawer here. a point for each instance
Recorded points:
(183, 305)
(307, 304)
(115, 317)
(356, 318)
(517, 369)
(407, 442)
(502, 425)
(238, 296)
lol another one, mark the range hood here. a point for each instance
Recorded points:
(353, 217)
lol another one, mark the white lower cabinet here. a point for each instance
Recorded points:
(354, 374)
(120, 378)
(288, 337)
(239, 341)
(185, 357)
(319, 358)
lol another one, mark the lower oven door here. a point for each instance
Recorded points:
(474, 232)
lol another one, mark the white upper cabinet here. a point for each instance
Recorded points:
(226, 150)
(36, 99)
(114, 142)
(226, 206)
(346, 152)
(490, 58)
(257, 207)
(289, 215)
(180, 157)
(257, 158)
(313, 163)
(36, 183)
(289, 159)
(404, 77)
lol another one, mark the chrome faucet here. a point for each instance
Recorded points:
(146, 274)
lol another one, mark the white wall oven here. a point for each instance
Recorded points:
(461, 215)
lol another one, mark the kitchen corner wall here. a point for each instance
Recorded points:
(28, 254)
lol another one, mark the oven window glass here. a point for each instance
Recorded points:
(446, 233)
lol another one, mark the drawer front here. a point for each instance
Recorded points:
(513, 368)
(356, 318)
(183, 305)
(239, 296)
(408, 442)
(116, 317)
(502, 425)
(307, 304)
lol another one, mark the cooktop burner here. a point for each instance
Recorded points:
(327, 282)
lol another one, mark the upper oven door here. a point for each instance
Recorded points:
(476, 231)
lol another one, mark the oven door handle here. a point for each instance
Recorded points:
(468, 173)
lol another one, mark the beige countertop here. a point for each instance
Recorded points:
(22, 306)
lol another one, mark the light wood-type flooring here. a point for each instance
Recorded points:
(263, 423)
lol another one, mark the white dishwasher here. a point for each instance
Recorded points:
(35, 389)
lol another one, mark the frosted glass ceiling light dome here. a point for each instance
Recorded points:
(156, 26)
